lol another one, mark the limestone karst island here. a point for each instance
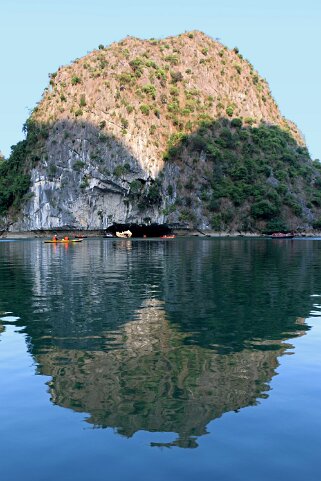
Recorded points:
(180, 131)
(160, 244)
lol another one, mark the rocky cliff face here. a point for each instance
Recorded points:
(116, 138)
(75, 187)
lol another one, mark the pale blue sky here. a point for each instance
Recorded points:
(281, 38)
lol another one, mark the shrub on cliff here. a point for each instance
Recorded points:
(75, 80)
(264, 209)
(317, 224)
(144, 109)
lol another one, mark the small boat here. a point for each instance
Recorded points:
(126, 234)
(62, 241)
(172, 236)
(109, 235)
(282, 235)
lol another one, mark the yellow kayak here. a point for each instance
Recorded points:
(62, 241)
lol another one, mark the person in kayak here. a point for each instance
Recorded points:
(66, 238)
(55, 238)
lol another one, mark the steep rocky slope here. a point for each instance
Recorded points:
(180, 130)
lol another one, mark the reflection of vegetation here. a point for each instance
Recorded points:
(249, 290)
(209, 346)
(154, 383)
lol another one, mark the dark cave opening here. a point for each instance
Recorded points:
(141, 230)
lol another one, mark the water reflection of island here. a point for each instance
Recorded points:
(160, 337)
(154, 382)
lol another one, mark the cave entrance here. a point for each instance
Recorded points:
(141, 230)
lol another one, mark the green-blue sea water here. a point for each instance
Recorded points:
(177, 359)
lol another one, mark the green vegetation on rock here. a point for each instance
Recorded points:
(249, 178)
(15, 172)
(156, 125)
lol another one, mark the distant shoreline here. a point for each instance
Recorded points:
(178, 232)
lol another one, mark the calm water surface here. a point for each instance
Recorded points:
(160, 360)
